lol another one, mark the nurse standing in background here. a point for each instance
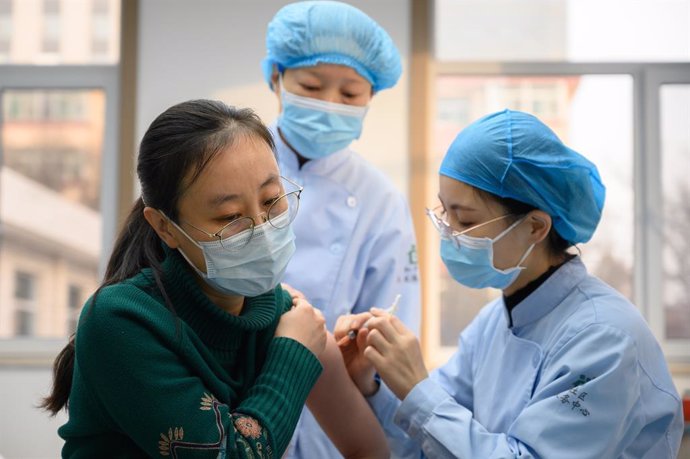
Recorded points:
(562, 365)
(354, 236)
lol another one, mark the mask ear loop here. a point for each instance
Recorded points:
(191, 239)
(506, 231)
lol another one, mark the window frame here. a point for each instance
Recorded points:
(42, 351)
(676, 350)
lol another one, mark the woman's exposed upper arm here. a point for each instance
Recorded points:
(342, 411)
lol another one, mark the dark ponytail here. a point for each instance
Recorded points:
(63, 367)
(174, 151)
(137, 247)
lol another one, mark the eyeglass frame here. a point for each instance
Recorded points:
(217, 234)
(447, 232)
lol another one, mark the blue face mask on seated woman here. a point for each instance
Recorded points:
(470, 260)
(250, 268)
(316, 128)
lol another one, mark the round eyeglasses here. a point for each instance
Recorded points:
(280, 213)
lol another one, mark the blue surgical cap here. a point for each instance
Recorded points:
(305, 34)
(514, 155)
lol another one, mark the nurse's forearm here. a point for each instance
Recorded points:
(342, 412)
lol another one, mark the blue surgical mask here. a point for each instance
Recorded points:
(470, 260)
(315, 128)
(251, 270)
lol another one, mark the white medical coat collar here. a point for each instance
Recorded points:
(548, 295)
(289, 161)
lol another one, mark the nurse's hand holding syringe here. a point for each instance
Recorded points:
(352, 334)
(385, 346)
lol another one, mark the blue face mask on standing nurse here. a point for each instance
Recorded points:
(318, 128)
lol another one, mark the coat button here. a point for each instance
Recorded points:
(351, 201)
(336, 248)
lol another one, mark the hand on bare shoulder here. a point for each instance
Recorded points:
(306, 325)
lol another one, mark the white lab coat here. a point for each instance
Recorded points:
(355, 249)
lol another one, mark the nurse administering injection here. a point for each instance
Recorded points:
(561, 365)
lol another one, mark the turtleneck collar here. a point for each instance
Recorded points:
(214, 325)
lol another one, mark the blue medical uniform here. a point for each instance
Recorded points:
(355, 249)
(579, 375)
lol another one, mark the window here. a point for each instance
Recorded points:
(52, 142)
(57, 136)
(25, 299)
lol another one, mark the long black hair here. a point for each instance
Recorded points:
(178, 144)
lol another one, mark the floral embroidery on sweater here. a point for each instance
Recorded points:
(252, 436)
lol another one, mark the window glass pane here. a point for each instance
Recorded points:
(24, 286)
(24, 300)
(576, 108)
(50, 180)
(675, 145)
(59, 31)
(563, 30)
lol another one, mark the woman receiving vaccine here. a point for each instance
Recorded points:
(190, 347)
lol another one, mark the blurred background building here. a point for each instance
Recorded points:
(80, 80)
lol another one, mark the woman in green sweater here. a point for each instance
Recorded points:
(190, 348)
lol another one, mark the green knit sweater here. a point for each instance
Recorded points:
(197, 383)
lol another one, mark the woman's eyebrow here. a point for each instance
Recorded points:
(273, 178)
(222, 199)
(461, 207)
(456, 206)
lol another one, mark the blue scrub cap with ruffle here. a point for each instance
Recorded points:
(513, 155)
(306, 34)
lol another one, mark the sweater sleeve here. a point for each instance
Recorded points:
(131, 356)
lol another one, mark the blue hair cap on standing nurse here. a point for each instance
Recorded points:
(305, 34)
(513, 155)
